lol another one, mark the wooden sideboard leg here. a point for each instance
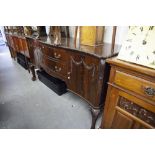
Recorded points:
(95, 113)
(32, 68)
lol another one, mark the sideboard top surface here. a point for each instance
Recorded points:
(101, 51)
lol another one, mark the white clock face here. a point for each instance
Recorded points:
(139, 46)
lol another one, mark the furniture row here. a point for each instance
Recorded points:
(130, 99)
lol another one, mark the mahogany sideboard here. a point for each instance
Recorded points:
(17, 43)
(81, 67)
(130, 101)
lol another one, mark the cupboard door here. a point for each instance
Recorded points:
(20, 45)
(121, 121)
(123, 110)
(76, 74)
(25, 48)
(83, 77)
(16, 44)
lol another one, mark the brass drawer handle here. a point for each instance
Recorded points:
(57, 69)
(57, 56)
(149, 91)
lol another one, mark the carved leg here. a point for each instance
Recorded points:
(95, 113)
(33, 72)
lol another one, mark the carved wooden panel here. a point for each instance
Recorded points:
(137, 110)
(83, 77)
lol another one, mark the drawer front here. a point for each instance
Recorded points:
(45, 49)
(135, 84)
(56, 53)
(54, 66)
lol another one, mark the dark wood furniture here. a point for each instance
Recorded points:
(81, 67)
(130, 101)
(17, 44)
(18, 47)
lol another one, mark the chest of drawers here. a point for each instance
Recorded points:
(130, 101)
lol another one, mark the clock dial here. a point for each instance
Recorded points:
(139, 46)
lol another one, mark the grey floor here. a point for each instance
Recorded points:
(25, 104)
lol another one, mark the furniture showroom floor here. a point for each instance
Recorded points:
(25, 104)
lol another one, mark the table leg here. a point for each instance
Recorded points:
(95, 113)
(32, 68)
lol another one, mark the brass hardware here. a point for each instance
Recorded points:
(68, 77)
(149, 91)
(57, 56)
(57, 69)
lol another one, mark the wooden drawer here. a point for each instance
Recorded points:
(135, 84)
(45, 49)
(56, 53)
(54, 66)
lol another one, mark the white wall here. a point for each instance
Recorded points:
(2, 30)
(120, 34)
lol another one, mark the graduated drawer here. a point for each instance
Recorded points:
(54, 66)
(135, 84)
(55, 52)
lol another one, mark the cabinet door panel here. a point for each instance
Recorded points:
(83, 77)
(130, 115)
(76, 78)
(121, 121)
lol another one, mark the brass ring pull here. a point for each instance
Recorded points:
(149, 91)
(57, 56)
(57, 69)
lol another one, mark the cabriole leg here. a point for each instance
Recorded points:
(95, 113)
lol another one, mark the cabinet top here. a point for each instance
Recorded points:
(131, 66)
(101, 51)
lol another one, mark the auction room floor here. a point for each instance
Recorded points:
(25, 104)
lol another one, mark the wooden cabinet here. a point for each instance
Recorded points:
(10, 44)
(130, 101)
(17, 43)
(18, 48)
(82, 69)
